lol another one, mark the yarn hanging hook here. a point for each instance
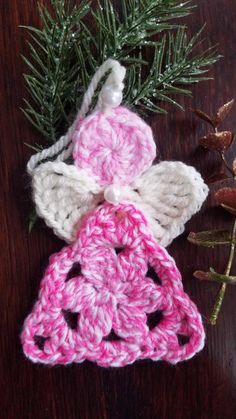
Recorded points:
(111, 93)
(109, 97)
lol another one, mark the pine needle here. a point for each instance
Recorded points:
(66, 51)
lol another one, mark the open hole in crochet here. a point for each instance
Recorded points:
(160, 223)
(153, 319)
(70, 318)
(182, 339)
(69, 214)
(40, 341)
(118, 249)
(74, 271)
(112, 337)
(151, 273)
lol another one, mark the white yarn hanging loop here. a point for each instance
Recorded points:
(114, 82)
(109, 97)
(54, 150)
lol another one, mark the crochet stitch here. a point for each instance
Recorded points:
(169, 193)
(115, 147)
(114, 295)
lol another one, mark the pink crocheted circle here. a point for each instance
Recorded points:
(113, 297)
(115, 147)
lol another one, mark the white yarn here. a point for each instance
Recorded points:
(50, 152)
(63, 148)
(168, 194)
(114, 81)
(62, 194)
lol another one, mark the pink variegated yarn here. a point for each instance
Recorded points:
(113, 297)
(115, 146)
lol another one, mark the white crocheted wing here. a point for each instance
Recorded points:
(169, 193)
(62, 194)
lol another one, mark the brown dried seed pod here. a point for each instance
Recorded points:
(222, 112)
(218, 141)
(204, 116)
(226, 197)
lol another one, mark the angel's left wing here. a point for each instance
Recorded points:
(62, 194)
(169, 193)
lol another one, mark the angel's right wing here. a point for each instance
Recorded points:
(62, 194)
(169, 193)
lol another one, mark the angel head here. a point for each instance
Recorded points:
(113, 150)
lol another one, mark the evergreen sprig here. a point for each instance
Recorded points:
(52, 79)
(172, 70)
(67, 50)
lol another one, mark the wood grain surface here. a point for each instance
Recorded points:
(202, 388)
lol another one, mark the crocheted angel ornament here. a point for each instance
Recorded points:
(113, 295)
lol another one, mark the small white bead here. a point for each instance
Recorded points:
(113, 194)
(111, 97)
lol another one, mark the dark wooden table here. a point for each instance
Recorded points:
(204, 387)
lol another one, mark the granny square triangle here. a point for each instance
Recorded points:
(113, 297)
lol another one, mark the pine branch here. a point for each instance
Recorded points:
(66, 52)
(174, 67)
(52, 80)
(119, 34)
